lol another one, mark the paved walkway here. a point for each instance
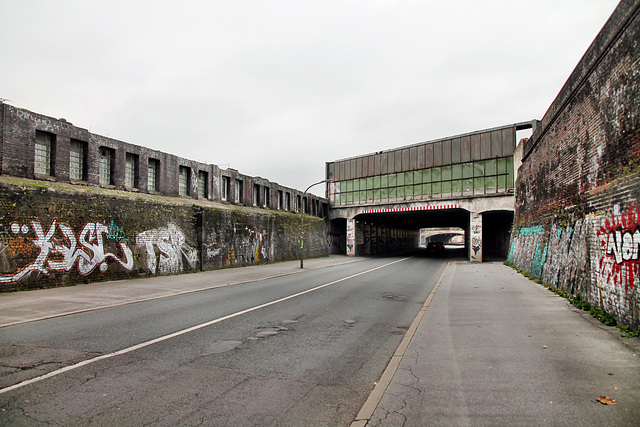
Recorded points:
(495, 348)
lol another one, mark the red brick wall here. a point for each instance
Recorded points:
(580, 175)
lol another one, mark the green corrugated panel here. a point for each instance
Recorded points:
(426, 189)
(490, 167)
(467, 170)
(467, 186)
(509, 172)
(426, 176)
(417, 177)
(446, 173)
(376, 182)
(446, 188)
(400, 192)
(408, 190)
(408, 178)
(502, 182)
(436, 174)
(456, 171)
(502, 165)
(369, 184)
(384, 181)
(393, 178)
(456, 186)
(400, 179)
(436, 189)
(490, 184)
(478, 169)
(478, 185)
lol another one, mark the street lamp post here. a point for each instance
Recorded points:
(302, 220)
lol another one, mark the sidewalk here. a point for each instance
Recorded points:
(20, 307)
(495, 348)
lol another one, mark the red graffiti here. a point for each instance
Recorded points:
(620, 240)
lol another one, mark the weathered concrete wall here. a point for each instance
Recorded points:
(53, 234)
(577, 224)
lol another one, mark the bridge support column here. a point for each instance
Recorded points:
(351, 236)
(475, 237)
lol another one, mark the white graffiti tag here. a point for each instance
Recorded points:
(172, 247)
(88, 254)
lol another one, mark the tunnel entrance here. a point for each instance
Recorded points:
(496, 234)
(479, 236)
(338, 236)
(394, 232)
(446, 235)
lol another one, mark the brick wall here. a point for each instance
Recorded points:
(577, 224)
(53, 234)
(18, 130)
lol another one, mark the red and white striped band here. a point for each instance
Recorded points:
(415, 208)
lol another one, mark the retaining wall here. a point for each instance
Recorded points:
(55, 234)
(577, 224)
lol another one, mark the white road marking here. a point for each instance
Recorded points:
(183, 331)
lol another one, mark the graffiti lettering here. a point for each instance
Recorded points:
(172, 247)
(620, 240)
(116, 233)
(88, 256)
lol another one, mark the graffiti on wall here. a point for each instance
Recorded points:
(476, 237)
(172, 249)
(351, 237)
(527, 249)
(619, 237)
(59, 249)
(236, 246)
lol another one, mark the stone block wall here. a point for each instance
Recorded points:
(577, 224)
(55, 234)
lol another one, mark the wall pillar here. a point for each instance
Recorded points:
(351, 236)
(475, 237)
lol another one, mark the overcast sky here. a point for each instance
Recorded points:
(277, 88)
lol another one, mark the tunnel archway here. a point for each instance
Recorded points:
(496, 234)
(393, 232)
(338, 236)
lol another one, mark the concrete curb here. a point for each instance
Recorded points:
(370, 405)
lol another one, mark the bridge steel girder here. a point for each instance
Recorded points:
(399, 223)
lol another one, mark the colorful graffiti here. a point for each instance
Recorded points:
(62, 254)
(620, 239)
(172, 249)
(526, 250)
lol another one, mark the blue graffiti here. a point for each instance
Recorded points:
(530, 231)
(116, 233)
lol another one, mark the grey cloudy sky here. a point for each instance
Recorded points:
(276, 88)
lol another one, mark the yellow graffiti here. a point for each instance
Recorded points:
(232, 256)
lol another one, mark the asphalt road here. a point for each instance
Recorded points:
(304, 349)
